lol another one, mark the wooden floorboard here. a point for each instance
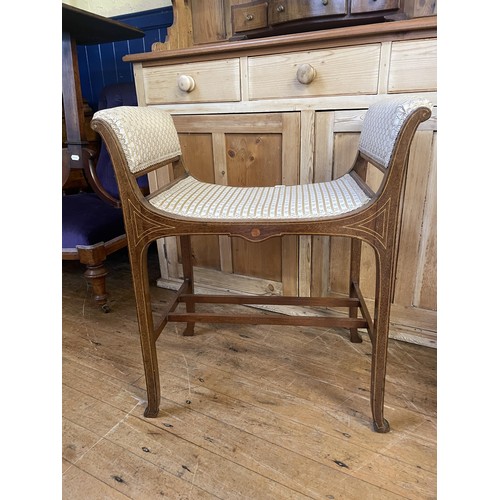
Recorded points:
(247, 411)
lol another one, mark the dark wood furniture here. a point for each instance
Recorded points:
(275, 17)
(82, 27)
(198, 22)
(144, 139)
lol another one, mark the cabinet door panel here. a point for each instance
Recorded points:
(226, 149)
(414, 298)
(345, 147)
(426, 292)
(198, 154)
(251, 161)
(208, 21)
(415, 220)
(260, 260)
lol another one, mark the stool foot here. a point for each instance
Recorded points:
(355, 336)
(151, 412)
(382, 429)
(189, 331)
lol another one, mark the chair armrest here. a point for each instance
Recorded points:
(90, 173)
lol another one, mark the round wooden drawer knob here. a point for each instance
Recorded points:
(306, 74)
(186, 83)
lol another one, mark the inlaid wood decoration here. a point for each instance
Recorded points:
(289, 109)
(145, 139)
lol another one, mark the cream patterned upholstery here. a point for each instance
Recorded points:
(147, 135)
(194, 199)
(382, 124)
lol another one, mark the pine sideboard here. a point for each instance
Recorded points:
(289, 109)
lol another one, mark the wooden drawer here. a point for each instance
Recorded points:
(211, 81)
(348, 70)
(361, 6)
(413, 66)
(249, 16)
(282, 11)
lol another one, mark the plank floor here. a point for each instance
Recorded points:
(248, 412)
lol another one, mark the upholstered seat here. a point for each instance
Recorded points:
(88, 220)
(192, 198)
(142, 140)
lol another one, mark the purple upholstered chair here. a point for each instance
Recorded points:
(92, 222)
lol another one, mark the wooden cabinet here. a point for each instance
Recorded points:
(362, 6)
(213, 81)
(413, 66)
(265, 126)
(283, 11)
(259, 18)
(199, 22)
(275, 76)
(413, 315)
(249, 17)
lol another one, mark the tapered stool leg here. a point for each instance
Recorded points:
(187, 269)
(354, 278)
(140, 278)
(380, 341)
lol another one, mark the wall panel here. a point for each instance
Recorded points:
(103, 64)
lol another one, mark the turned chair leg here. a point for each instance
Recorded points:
(140, 278)
(354, 278)
(187, 267)
(96, 276)
(380, 341)
(95, 273)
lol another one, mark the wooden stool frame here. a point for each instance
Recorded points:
(375, 223)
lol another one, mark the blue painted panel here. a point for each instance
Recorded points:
(138, 46)
(103, 64)
(124, 71)
(92, 71)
